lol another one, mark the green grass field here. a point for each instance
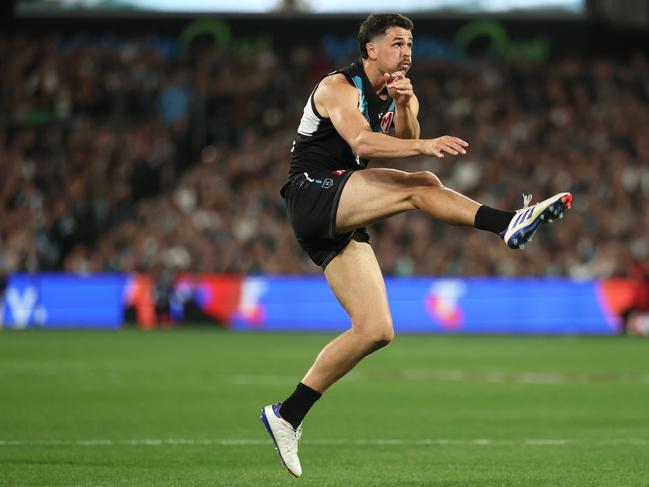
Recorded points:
(181, 407)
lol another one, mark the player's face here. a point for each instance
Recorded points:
(394, 50)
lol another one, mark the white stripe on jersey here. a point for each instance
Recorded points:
(310, 121)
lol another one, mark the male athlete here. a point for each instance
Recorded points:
(330, 196)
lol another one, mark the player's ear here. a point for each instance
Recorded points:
(371, 50)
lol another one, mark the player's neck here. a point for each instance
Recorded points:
(374, 76)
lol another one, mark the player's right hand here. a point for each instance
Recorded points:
(445, 143)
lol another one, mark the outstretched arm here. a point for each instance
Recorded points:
(338, 100)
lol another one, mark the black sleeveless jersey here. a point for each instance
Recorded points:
(318, 145)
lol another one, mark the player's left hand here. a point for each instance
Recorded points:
(399, 87)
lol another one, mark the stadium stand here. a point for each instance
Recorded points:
(134, 155)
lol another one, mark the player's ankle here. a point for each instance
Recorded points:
(295, 408)
(492, 219)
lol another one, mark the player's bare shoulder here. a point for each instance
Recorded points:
(332, 90)
(334, 80)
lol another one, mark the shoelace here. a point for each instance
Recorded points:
(297, 434)
(527, 199)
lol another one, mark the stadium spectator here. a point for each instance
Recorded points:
(124, 155)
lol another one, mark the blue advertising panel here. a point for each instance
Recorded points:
(437, 305)
(60, 300)
(301, 303)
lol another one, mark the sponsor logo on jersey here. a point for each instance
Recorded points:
(386, 121)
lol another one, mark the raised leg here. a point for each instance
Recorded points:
(372, 195)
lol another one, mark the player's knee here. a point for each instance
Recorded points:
(421, 184)
(426, 179)
(384, 338)
(381, 335)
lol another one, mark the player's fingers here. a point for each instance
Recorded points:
(460, 141)
(450, 150)
(457, 147)
(402, 83)
(437, 150)
(455, 142)
(393, 84)
(398, 75)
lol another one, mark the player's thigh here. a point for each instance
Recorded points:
(371, 195)
(355, 278)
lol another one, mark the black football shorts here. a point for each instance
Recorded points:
(312, 201)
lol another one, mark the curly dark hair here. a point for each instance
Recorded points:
(377, 24)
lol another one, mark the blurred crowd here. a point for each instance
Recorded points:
(144, 155)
